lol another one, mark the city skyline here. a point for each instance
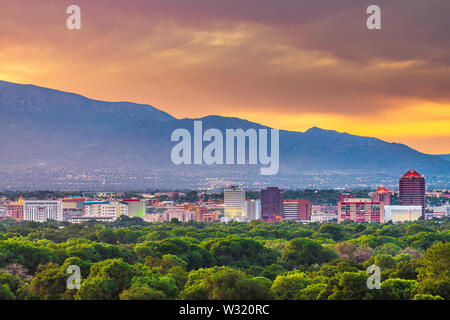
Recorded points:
(247, 59)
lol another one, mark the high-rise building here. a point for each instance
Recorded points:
(42, 210)
(272, 204)
(234, 203)
(361, 210)
(382, 195)
(253, 209)
(297, 209)
(412, 190)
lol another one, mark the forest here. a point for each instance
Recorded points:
(134, 260)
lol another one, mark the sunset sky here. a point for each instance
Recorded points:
(288, 64)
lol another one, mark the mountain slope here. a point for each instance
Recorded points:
(444, 156)
(50, 128)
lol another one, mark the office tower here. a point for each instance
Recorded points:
(234, 203)
(136, 207)
(343, 196)
(253, 209)
(297, 209)
(382, 195)
(14, 210)
(402, 213)
(42, 210)
(272, 204)
(412, 190)
(361, 210)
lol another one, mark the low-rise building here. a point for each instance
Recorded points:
(402, 213)
(42, 210)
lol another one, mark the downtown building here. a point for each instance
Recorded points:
(382, 195)
(234, 203)
(300, 210)
(272, 204)
(412, 190)
(253, 210)
(397, 214)
(42, 210)
(361, 210)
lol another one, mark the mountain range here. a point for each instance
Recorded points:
(46, 128)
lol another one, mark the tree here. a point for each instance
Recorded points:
(106, 281)
(50, 282)
(362, 254)
(165, 284)
(388, 248)
(13, 282)
(272, 271)
(142, 293)
(336, 231)
(239, 252)
(385, 261)
(306, 252)
(405, 270)
(351, 286)
(311, 292)
(345, 250)
(427, 297)
(5, 293)
(434, 273)
(398, 289)
(224, 283)
(194, 255)
(285, 287)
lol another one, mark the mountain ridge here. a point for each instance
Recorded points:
(52, 128)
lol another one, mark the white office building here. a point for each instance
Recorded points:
(234, 203)
(42, 210)
(253, 210)
(402, 213)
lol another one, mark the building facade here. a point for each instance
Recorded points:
(361, 210)
(42, 210)
(136, 207)
(382, 195)
(253, 209)
(412, 190)
(234, 203)
(111, 210)
(14, 210)
(297, 210)
(272, 204)
(402, 213)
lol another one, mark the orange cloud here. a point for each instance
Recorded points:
(291, 66)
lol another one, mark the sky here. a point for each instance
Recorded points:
(287, 64)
